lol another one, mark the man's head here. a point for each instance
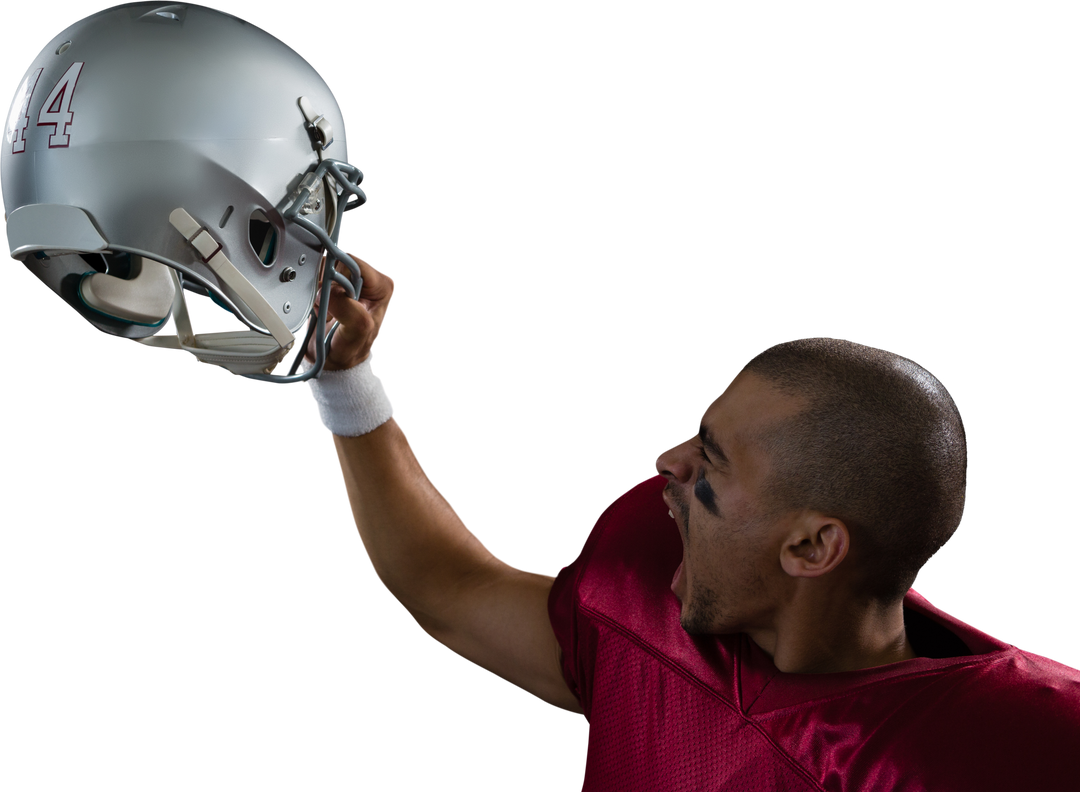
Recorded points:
(819, 451)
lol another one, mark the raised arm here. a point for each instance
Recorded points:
(456, 590)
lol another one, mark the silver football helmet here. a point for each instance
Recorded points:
(153, 149)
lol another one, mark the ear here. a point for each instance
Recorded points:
(815, 546)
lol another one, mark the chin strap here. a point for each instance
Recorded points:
(241, 352)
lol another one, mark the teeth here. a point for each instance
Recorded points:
(669, 514)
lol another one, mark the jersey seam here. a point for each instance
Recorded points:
(698, 683)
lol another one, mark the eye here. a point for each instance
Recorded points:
(702, 455)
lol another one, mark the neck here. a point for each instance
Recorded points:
(825, 637)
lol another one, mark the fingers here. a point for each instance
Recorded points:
(355, 319)
(358, 320)
(378, 291)
(377, 288)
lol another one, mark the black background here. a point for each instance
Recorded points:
(593, 223)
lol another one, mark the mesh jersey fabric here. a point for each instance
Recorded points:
(672, 711)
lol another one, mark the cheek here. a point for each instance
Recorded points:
(703, 491)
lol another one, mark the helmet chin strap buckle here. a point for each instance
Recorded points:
(241, 352)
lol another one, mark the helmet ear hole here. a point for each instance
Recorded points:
(263, 237)
(107, 262)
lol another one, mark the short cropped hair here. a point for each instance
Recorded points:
(879, 445)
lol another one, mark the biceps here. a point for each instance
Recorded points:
(500, 622)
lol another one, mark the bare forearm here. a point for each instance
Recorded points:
(417, 544)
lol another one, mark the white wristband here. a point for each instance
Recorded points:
(351, 402)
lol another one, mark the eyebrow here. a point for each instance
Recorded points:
(714, 449)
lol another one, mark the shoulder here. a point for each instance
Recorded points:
(630, 555)
(1012, 723)
(1030, 696)
(1001, 717)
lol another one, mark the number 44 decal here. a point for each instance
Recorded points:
(55, 110)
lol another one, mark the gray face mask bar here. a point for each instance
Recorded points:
(329, 172)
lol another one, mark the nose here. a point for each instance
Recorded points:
(677, 464)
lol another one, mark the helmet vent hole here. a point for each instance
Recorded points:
(263, 237)
(225, 217)
(63, 48)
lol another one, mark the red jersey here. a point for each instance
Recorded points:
(668, 710)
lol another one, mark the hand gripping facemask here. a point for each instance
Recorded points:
(153, 150)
